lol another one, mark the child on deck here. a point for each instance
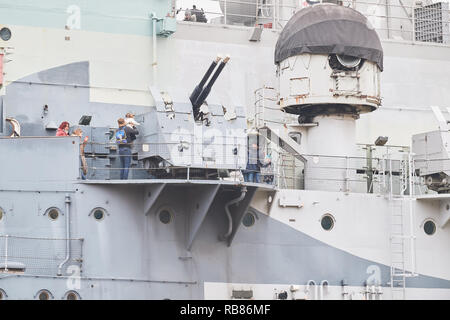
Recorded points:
(129, 120)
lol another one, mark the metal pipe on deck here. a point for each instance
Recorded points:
(6, 253)
(67, 201)
(373, 293)
(411, 171)
(309, 283)
(379, 292)
(154, 52)
(323, 285)
(227, 210)
(367, 292)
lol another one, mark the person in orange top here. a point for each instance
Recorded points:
(79, 133)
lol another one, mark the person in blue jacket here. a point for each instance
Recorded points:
(125, 136)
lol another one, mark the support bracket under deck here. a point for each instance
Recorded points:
(199, 212)
(151, 194)
(239, 211)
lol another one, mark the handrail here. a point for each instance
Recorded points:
(18, 254)
(400, 21)
(284, 171)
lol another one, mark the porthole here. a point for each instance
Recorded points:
(44, 295)
(327, 222)
(429, 227)
(5, 34)
(165, 216)
(249, 219)
(53, 213)
(72, 295)
(98, 213)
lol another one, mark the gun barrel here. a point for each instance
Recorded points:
(205, 92)
(198, 89)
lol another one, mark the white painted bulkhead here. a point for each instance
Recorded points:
(309, 79)
(224, 291)
(331, 154)
(415, 76)
(362, 227)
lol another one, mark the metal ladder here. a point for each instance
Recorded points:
(286, 164)
(268, 10)
(397, 246)
(399, 236)
(404, 176)
(265, 100)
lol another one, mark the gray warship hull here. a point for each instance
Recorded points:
(109, 239)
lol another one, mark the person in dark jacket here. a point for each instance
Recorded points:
(199, 14)
(125, 136)
(254, 160)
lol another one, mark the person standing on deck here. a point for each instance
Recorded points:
(79, 133)
(252, 172)
(125, 136)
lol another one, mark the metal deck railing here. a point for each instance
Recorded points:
(176, 160)
(386, 171)
(408, 20)
(37, 256)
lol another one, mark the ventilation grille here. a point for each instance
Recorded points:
(432, 23)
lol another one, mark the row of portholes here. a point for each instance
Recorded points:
(327, 222)
(45, 294)
(53, 213)
(165, 216)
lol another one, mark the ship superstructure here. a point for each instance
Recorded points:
(351, 205)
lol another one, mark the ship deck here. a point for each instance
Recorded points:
(264, 186)
(432, 197)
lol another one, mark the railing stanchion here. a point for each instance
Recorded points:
(6, 253)
(225, 13)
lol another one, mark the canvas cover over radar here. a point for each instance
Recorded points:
(329, 29)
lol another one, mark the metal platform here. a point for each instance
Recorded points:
(264, 186)
(434, 197)
(444, 205)
(231, 198)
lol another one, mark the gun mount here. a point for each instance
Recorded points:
(177, 139)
